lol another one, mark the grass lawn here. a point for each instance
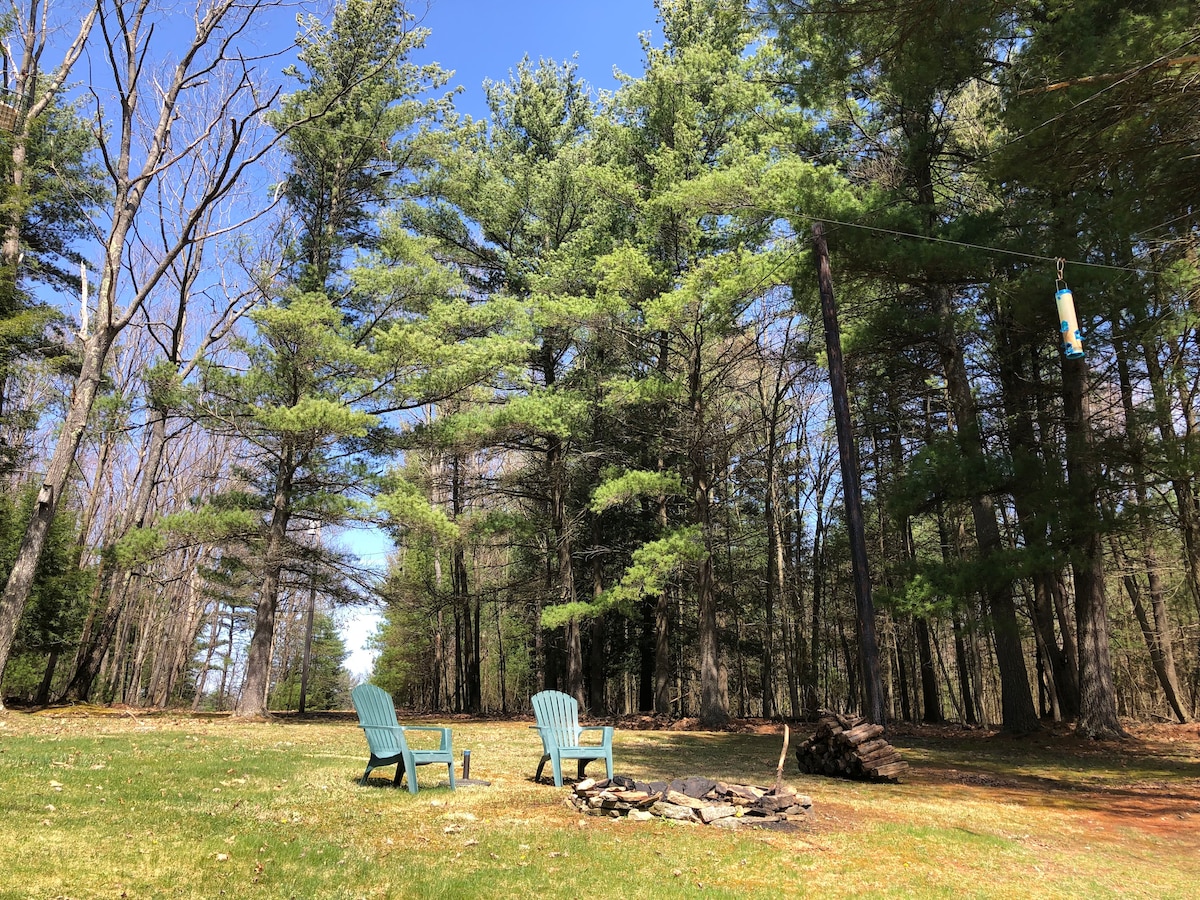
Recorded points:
(109, 805)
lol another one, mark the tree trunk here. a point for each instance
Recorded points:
(20, 579)
(597, 637)
(961, 661)
(1156, 630)
(1031, 488)
(645, 685)
(931, 701)
(872, 684)
(556, 477)
(1097, 692)
(1018, 714)
(1187, 500)
(185, 626)
(113, 573)
(253, 701)
(714, 698)
(662, 653)
(774, 586)
(213, 638)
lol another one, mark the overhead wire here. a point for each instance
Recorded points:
(968, 245)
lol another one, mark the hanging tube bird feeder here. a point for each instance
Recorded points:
(1068, 322)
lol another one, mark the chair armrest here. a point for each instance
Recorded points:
(443, 730)
(606, 735)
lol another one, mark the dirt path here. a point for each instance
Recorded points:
(1160, 795)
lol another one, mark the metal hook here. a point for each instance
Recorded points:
(1059, 263)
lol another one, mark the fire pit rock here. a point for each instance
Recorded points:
(694, 800)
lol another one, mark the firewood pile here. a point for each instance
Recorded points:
(699, 800)
(850, 747)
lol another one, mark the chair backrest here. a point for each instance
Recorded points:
(375, 708)
(557, 716)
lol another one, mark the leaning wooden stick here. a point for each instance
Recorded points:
(782, 757)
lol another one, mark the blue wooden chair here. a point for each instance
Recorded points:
(387, 738)
(557, 717)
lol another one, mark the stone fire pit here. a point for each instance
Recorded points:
(696, 800)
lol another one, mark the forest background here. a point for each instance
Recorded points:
(570, 358)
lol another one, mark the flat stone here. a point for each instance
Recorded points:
(672, 811)
(771, 803)
(728, 822)
(684, 800)
(744, 792)
(710, 814)
(631, 796)
(694, 786)
(639, 815)
(649, 801)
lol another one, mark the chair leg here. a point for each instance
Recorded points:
(450, 766)
(608, 766)
(363, 781)
(411, 771)
(556, 762)
(541, 765)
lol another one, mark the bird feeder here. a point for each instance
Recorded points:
(1068, 322)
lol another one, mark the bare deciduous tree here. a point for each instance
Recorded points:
(140, 152)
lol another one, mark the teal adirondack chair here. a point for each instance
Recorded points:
(557, 717)
(387, 740)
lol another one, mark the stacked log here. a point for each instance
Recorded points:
(850, 747)
(696, 800)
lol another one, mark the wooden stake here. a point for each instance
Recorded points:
(782, 756)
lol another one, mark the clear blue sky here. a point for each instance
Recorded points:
(481, 39)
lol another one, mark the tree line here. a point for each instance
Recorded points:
(570, 358)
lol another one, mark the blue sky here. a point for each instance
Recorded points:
(481, 39)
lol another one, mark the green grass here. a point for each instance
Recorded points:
(169, 806)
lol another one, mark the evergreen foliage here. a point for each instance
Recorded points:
(568, 358)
